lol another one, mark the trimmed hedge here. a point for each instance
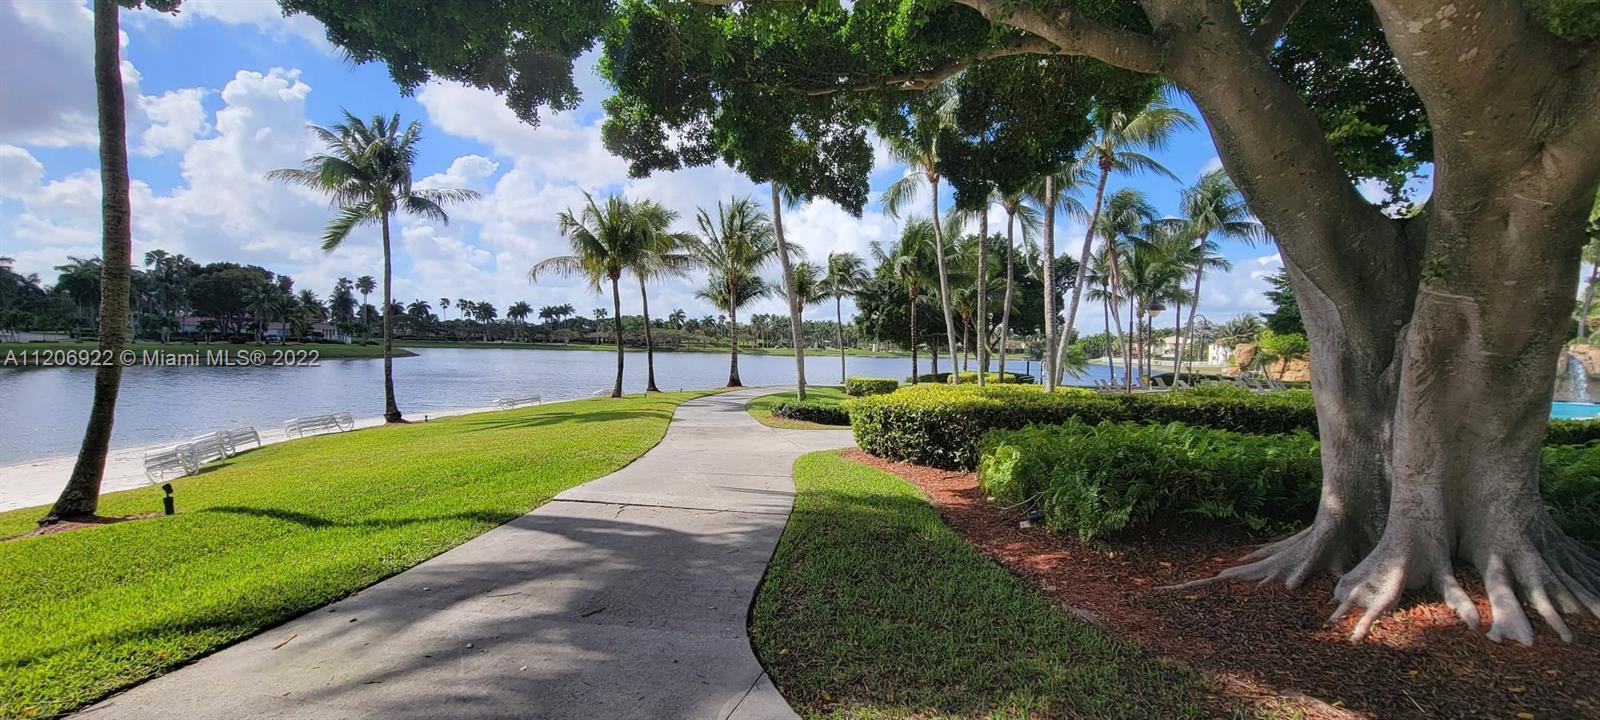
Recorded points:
(1103, 479)
(864, 386)
(815, 411)
(940, 425)
(971, 376)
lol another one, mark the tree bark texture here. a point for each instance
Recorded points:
(944, 274)
(1047, 367)
(796, 331)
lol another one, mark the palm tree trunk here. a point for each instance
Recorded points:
(733, 338)
(1132, 340)
(838, 319)
(796, 330)
(81, 496)
(982, 289)
(391, 411)
(1588, 299)
(913, 297)
(1047, 366)
(944, 275)
(1177, 343)
(616, 324)
(1083, 274)
(1005, 309)
(1111, 362)
(649, 342)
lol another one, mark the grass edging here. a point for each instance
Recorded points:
(873, 608)
(281, 531)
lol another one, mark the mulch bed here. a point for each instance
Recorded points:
(1269, 647)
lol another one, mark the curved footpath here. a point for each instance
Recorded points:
(624, 597)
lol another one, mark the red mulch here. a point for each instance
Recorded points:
(77, 523)
(1270, 646)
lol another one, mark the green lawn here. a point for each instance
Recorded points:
(761, 408)
(874, 608)
(327, 351)
(279, 531)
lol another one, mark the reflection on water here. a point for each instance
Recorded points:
(45, 409)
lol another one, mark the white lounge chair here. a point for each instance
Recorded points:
(179, 460)
(510, 402)
(316, 424)
(241, 435)
(211, 446)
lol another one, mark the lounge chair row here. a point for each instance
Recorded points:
(186, 459)
(511, 402)
(314, 424)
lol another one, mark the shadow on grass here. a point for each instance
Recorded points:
(559, 417)
(315, 521)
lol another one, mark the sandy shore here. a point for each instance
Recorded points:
(38, 482)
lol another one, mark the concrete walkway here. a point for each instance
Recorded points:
(625, 597)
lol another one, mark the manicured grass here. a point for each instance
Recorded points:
(874, 608)
(761, 408)
(602, 347)
(279, 531)
(326, 351)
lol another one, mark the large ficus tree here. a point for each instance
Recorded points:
(1437, 330)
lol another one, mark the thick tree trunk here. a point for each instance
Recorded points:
(944, 275)
(796, 329)
(838, 320)
(616, 327)
(982, 290)
(81, 496)
(913, 306)
(391, 411)
(1005, 308)
(649, 341)
(1048, 367)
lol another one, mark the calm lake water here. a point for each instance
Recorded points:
(44, 409)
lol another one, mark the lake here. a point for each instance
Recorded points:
(46, 408)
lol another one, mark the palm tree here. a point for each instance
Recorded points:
(1060, 189)
(603, 244)
(519, 311)
(661, 255)
(365, 285)
(910, 260)
(846, 276)
(81, 496)
(1120, 145)
(1014, 208)
(1212, 205)
(366, 171)
(444, 308)
(918, 149)
(678, 318)
(734, 247)
(1126, 215)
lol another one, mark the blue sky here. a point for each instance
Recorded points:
(221, 93)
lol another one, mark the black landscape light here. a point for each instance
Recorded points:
(167, 503)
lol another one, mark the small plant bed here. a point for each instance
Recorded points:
(1268, 647)
(873, 608)
(822, 403)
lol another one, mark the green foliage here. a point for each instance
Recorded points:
(1285, 316)
(1572, 432)
(814, 411)
(1113, 477)
(940, 425)
(762, 408)
(1569, 481)
(874, 609)
(278, 531)
(971, 376)
(863, 386)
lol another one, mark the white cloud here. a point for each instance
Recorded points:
(264, 15)
(1211, 166)
(48, 96)
(19, 171)
(176, 120)
(466, 172)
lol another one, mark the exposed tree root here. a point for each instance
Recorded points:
(1546, 570)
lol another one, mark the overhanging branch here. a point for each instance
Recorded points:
(1274, 22)
(924, 79)
(1076, 34)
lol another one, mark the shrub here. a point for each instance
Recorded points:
(940, 425)
(815, 411)
(1102, 479)
(1572, 432)
(1569, 479)
(864, 386)
(971, 376)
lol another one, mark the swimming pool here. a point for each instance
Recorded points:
(1574, 410)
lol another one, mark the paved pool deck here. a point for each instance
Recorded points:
(624, 597)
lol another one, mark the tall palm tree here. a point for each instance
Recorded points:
(1212, 206)
(782, 196)
(519, 312)
(677, 318)
(1015, 210)
(81, 496)
(661, 255)
(911, 260)
(808, 290)
(918, 149)
(366, 171)
(1059, 190)
(1120, 146)
(734, 246)
(365, 285)
(604, 244)
(846, 276)
(444, 308)
(1126, 216)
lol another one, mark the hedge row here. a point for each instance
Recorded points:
(1098, 480)
(940, 425)
(1102, 479)
(864, 386)
(812, 411)
(971, 376)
